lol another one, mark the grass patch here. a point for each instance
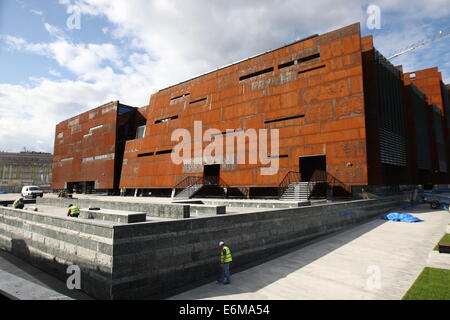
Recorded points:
(432, 284)
(445, 238)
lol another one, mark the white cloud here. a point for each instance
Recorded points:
(167, 41)
(37, 12)
(54, 73)
(54, 31)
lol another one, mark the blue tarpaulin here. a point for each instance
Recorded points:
(1, 192)
(401, 217)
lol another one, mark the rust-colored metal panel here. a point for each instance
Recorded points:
(429, 81)
(85, 148)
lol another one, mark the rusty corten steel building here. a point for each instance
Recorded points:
(339, 105)
(89, 148)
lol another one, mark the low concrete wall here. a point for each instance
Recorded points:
(208, 209)
(6, 203)
(113, 215)
(162, 210)
(53, 243)
(256, 203)
(150, 259)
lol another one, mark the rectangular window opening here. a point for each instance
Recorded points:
(308, 58)
(298, 61)
(103, 156)
(163, 152)
(177, 97)
(140, 132)
(230, 131)
(149, 154)
(279, 156)
(255, 74)
(284, 119)
(198, 100)
(166, 119)
(287, 64)
(311, 69)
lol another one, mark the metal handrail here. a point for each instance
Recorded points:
(187, 182)
(321, 176)
(200, 180)
(291, 176)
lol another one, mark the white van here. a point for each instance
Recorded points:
(32, 191)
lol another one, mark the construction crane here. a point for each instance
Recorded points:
(420, 44)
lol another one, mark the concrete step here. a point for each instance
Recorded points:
(297, 191)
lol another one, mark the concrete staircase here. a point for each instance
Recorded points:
(296, 191)
(189, 191)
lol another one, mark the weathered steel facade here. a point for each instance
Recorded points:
(87, 147)
(339, 105)
(429, 81)
(312, 91)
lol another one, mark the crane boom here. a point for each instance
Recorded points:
(419, 44)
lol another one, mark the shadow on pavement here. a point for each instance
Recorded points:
(9, 262)
(280, 269)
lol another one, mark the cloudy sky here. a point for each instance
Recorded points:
(59, 58)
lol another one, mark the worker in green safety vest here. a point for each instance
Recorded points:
(18, 204)
(74, 211)
(225, 260)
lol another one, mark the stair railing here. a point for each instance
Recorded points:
(290, 177)
(190, 181)
(185, 183)
(321, 176)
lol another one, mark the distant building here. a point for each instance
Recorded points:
(25, 168)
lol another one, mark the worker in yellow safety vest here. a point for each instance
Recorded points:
(74, 211)
(225, 260)
(18, 204)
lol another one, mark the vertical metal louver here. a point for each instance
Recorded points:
(440, 141)
(390, 113)
(446, 93)
(421, 126)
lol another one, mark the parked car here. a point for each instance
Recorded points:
(32, 191)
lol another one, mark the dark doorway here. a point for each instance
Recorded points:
(211, 174)
(212, 170)
(310, 164)
(81, 187)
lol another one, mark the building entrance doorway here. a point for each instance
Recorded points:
(86, 187)
(309, 164)
(211, 174)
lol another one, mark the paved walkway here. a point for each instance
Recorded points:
(376, 260)
(22, 281)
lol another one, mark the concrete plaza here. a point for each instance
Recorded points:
(376, 260)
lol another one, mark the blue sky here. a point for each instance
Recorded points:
(125, 50)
